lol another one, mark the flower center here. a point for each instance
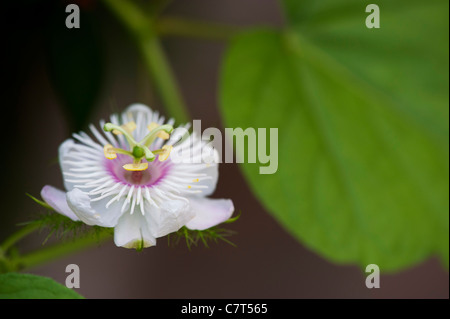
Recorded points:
(138, 150)
(137, 177)
(156, 171)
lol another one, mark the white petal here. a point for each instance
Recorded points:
(211, 170)
(138, 108)
(57, 200)
(170, 217)
(64, 148)
(132, 231)
(93, 213)
(63, 151)
(209, 212)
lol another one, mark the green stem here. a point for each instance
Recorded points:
(53, 252)
(142, 29)
(14, 238)
(171, 26)
(156, 7)
(158, 65)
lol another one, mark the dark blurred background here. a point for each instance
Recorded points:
(267, 262)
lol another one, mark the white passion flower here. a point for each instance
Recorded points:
(125, 178)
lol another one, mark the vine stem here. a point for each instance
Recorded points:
(21, 233)
(141, 27)
(173, 26)
(58, 250)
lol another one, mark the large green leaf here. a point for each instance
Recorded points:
(26, 286)
(363, 126)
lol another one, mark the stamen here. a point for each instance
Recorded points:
(152, 126)
(121, 151)
(109, 152)
(138, 150)
(136, 166)
(128, 127)
(108, 127)
(161, 134)
(156, 132)
(195, 180)
(166, 152)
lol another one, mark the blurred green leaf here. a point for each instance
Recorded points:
(75, 64)
(27, 286)
(363, 127)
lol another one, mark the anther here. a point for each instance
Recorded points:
(167, 149)
(135, 167)
(108, 151)
(128, 127)
(161, 134)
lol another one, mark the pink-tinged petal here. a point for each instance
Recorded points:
(92, 213)
(56, 198)
(209, 212)
(132, 231)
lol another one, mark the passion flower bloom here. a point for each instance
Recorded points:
(124, 177)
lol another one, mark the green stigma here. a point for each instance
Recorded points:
(138, 152)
